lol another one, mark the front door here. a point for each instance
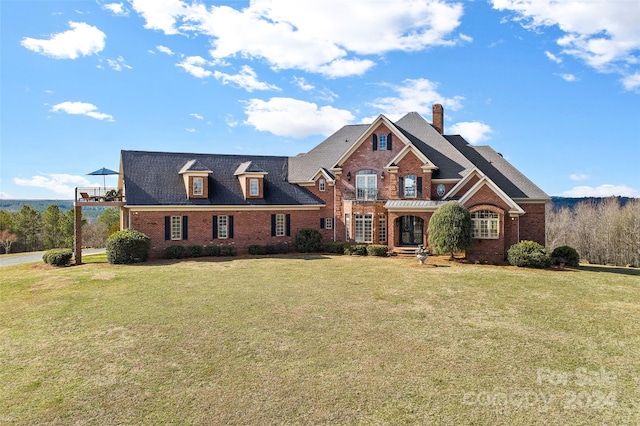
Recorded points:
(411, 230)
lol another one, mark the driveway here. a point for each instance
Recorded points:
(35, 256)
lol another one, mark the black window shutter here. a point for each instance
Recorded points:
(288, 223)
(400, 186)
(273, 225)
(185, 227)
(230, 225)
(419, 185)
(389, 140)
(322, 223)
(214, 220)
(375, 142)
(167, 227)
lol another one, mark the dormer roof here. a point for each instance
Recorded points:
(249, 167)
(194, 165)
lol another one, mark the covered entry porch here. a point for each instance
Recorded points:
(409, 221)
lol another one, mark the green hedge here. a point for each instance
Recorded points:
(194, 251)
(308, 240)
(58, 257)
(336, 247)
(128, 246)
(528, 254)
(174, 252)
(377, 250)
(356, 249)
(565, 255)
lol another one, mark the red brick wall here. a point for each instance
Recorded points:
(532, 223)
(250, 227)
(491, 250)
(412, 165)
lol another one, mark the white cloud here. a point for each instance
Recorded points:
(310, 35)
(569, 77)
(473, 131)
(194, 65)
(466, 38)
(579, 176)
(417, 95)
(191, 130)
(117, 9)
(604, 34)
(61, 184)
(631, 82)
(81, 40)
(81, 108)
(5, 196)
(553, 57)
(606, 190)
(246, 79)
(302, 83)
(197, 116)
(165, 50)
(294, 118)
(231, 122)
(118, 64)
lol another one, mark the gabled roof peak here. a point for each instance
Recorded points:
(249, 167)
(194, 166)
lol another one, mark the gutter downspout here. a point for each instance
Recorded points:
(334, 211)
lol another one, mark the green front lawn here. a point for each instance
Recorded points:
(318, 340)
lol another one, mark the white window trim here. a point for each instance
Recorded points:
(347, 227)
(280, 225)
(382, 228)
(415, 187)
(198, 186)
(368, 191)
(364, 228)
(328, 223)
(382, 145)
(322, 185)
(176, 228)
(485, 225)
(223, 226)
(254, 187)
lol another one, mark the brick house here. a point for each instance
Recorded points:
(371, 183)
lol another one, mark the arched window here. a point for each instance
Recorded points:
(485, 224)
(366, 185)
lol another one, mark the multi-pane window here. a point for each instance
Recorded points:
(382, 228)
(223, 226)
(410, 186)
(366, 185)
(254, 187)
(198, 186)
(485, 224)
(280, 218)
(328, 223)
(382, 142)
(176, 227)
(347, 226)
(364, 228)
(322, 185)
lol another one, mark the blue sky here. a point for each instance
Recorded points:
(553, 86)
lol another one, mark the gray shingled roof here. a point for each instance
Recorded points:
(152, 178)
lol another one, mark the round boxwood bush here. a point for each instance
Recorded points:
(174, 252)
(336, 247)
(57, 257)
(356, 249)
(128, 246)
(377, 250)
(565, 255)
(528, 254)
(308, 240)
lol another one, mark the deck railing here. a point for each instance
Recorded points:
(100, 194)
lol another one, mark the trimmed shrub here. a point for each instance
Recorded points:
(257, 249)
(308, 240)
(336, 247)
(377, 250)
(279, 248)
(528, 254)
(356, 249)
(565, 255)
(193, 251)
(174, 252)
(58, 257)
(128, 246)
(212, 251)
(228, 251)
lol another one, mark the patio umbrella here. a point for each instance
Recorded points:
(103, 172)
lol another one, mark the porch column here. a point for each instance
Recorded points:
(77, 234)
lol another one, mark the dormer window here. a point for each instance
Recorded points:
(254, 187)
(198, 186)
(382, 142)
(322, 185)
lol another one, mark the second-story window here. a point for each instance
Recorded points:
(322, 185)
(254, 187)
(382, 142)
(198, 186)
(410, 186)
(366, 185)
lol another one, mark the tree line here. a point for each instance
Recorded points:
(602, 233)
(30, 230)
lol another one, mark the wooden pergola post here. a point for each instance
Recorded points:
(77, 234)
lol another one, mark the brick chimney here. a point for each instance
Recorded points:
(438, 118)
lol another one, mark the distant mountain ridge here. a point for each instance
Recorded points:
(570, 202)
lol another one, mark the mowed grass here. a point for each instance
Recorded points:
(318, 340)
